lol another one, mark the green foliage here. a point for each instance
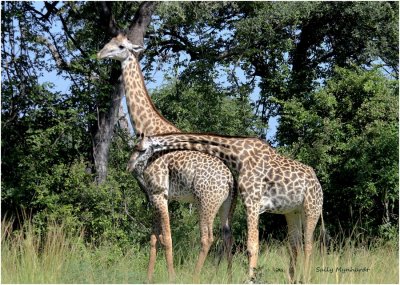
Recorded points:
(47, 134)
(69, 196)
(287, 46)
(349, 131)
(205, 108)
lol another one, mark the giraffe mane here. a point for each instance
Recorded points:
(207, 142)
(209, 134)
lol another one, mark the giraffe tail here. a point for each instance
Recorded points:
(227, 231)
(324, 236)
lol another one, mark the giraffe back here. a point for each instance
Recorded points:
(189, 176)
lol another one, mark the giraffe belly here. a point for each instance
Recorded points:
(277, 205)
(182, 197)
(279, 200)
(180, 191)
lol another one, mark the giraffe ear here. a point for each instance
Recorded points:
(136, 48)
(152, 143)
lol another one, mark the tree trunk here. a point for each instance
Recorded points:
(103, 136)
(122, 120)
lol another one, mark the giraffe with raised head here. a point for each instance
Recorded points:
(178, 175)
(267, 181)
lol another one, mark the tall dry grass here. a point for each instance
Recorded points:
(60, 257)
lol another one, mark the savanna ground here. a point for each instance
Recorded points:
(62, 257)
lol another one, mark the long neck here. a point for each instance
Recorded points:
(145, 119)
(234, 151)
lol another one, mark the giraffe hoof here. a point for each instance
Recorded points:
(252, 280)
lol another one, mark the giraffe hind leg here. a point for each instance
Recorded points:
(311, 219)
(295, 233)
(161, 205)
(207, 216)
(252, 213)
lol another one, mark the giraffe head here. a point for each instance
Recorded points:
(139, 159)
(146, 144)
(119, 48)
(140, 156)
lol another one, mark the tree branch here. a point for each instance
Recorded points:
(54, 52)
(60, 62)
(66, 30)
(107, 19)
(50, 9)
(141, 21)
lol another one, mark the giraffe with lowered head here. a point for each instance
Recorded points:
(178, 175)
(268, 182)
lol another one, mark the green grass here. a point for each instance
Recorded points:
(59, 257)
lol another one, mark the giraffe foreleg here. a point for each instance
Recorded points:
(161, 205)
(153, 249)
(252, 240)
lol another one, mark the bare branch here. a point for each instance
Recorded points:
(54, 52)
(51, 10)
(136, 221)
(60, 62)
(66, 30)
